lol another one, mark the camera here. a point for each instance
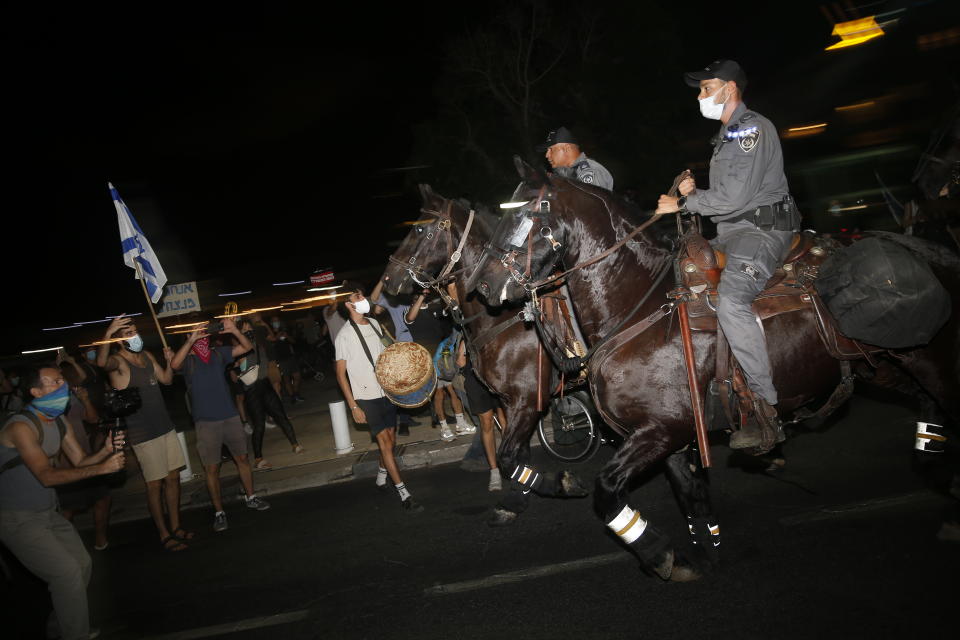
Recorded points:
(215, 326)
(120, 403)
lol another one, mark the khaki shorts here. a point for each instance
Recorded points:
(160, 456)
(211, 436)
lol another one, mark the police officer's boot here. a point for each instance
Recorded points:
(762, 432)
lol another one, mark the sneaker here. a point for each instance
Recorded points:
(298, 398)
(496, 484)
(270, 423)
(220, 522)
(446, 434)
(411, 506)
(256, 503)
(247, 429)
(465, 428)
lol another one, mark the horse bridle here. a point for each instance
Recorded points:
(507, 256)
(444, 224)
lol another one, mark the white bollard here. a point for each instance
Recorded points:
(341, 428)
(186, 474)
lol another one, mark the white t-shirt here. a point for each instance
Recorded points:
(363, 380)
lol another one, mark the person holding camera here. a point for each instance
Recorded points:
(31, 526)
(150, 430)
(214, 412)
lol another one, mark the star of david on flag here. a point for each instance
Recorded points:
(137, 252)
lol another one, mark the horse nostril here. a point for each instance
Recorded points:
(386, 278)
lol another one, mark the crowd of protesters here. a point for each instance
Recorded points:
(67, 427)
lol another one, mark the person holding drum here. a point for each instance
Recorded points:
(358, 344)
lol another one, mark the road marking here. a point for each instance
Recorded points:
(235, 627)
(916, 498)
(526, 574)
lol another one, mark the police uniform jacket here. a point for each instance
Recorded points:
(746, 170)
(588, 171)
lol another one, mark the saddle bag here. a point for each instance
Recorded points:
(882, 293)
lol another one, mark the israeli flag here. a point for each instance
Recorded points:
(137, 252)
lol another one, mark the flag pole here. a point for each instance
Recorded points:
(153, 312)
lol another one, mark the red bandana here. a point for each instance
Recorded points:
(202, 348)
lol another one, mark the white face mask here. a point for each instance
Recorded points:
(709, 107)
(362, 306)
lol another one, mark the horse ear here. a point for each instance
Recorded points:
(530, 174)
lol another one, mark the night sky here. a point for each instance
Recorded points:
(257, 143)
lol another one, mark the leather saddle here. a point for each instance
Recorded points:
(789, 289)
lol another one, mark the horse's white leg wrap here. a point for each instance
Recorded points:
(628, 524)
(930, 437)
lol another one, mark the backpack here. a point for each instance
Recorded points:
(445, 357)
(16, 461)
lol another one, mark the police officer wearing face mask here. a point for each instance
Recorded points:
(750, 201)
(564, 155)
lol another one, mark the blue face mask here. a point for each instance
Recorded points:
(135, 343)
(54, 403)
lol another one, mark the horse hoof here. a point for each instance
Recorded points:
(683, 572)
(501, 518)
(572, 486)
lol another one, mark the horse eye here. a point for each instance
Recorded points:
(419, 229)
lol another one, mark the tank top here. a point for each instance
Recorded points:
(152, 420)
(19, 488)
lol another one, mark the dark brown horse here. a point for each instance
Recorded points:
(505, 351)
(640, 384)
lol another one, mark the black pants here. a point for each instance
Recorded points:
(261, 400)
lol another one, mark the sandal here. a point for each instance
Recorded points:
(297, 448)
(183, 535)
(262, 465)
(175, 547)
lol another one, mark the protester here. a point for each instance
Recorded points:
(214, 414)
(358, 345)
(30, 526)
(483, 404)
(150, 430)
(10, 400)
(289, 364)
(444, 361)
(429, 323)
(82, 418)
(259, 396)
(402, 333)
(334, 321)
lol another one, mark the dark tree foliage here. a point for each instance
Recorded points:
(612, 76)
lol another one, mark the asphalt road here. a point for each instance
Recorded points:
(840, 544)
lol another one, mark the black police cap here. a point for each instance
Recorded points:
(557, 136)
(722, 69)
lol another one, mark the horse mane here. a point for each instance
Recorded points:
(483, 215)
(626, 208)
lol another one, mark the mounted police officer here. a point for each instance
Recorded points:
(750, 201)
(564, 155)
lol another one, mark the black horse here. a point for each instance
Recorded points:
(638, 378)
(505, 351)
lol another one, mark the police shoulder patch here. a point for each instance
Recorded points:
(748, 142)
(747, 116)
(587, 177)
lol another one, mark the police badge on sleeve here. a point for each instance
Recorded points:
(748, 138)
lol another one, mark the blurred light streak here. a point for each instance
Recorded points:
(235, 293)
(413, 223)
(99, 342)
(283, 284)
(336, 286)
(854, 107)
(947, 38)
(123, 315)
(808, 130)
(94, 321)
(513, 205)
(188, 324)
(855, 32)
(41, 350)
(71, 326)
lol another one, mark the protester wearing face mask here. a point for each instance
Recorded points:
(365, 398)
(150, 430)
(30, 525)
(750, 201)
